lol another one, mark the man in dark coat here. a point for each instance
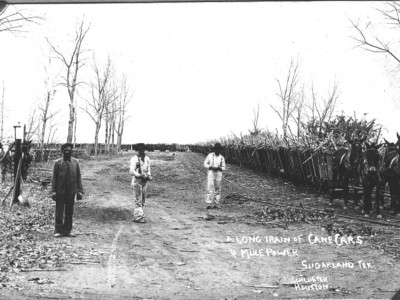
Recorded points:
(65, 184)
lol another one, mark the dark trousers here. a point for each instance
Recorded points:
(64, 204)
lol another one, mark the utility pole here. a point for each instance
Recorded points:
(18, 134)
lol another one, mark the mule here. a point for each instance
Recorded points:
(390, 173)
(370, 177)
(387, 151)
(346, 164)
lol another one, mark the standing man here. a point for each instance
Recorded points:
(6, 160)
(4, 163)
(215, 164)
(140, 169)
(65, 184)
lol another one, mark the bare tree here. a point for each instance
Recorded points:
(289, 96)
(298, 113)
(108, 124)
(112, 125)
(320, 110)
(391, 14)
(45, 114)
(256, 114)
(124, 98)
(72, 64)
(51, 138)
(110, 118)
(327, 106)
(32, 126)
(13, 22)
(101, 97)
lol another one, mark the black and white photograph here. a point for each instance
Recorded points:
(188, 149)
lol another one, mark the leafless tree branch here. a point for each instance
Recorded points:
(379, 46)
(288, 96)
(15, 21)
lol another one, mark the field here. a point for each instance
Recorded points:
(270, 239)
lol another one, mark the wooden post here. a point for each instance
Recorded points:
(17, 163)
(17, 183)
(17, 155)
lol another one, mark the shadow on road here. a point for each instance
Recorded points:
(396, 296)
(103, 214)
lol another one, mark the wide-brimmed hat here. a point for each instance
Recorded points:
(67, 145)
(216, 146)
(141, 146)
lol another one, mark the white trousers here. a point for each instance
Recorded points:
(214, 179)
(139, 194)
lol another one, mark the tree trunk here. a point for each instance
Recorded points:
(96, 137)
(118, 142)
(44, 123)
(75, 121)
(112, 128)
(106, 129)
(71, 123)
(120, 134)
(112, 136)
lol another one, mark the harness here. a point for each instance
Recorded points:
(342, 158)
(366, 166)
(394, 160)
(345, 161)
(366, 176)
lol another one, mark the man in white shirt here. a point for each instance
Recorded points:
(140, 169)
(215, 164)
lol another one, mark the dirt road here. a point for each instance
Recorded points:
(178, 254)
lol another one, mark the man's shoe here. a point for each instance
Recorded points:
(57, 234)
(140, 221)
(70, 235)
(208, 207)
(209, 217)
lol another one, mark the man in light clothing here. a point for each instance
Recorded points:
(140, 169)
(215, 163)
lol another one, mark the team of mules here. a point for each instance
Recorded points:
(370, 166)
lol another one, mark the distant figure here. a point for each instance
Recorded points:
(215, 163)
(140, 169)
(27, 161)
(65, 184)
(3, 164)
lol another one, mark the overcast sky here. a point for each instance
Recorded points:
(197, 70)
